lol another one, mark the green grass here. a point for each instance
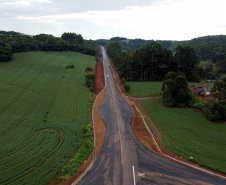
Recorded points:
(43, 107)
(142, 89)
(205, 63)
(187, 133)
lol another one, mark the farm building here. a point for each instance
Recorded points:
(203, 89)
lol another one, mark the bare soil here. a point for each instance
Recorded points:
(141, 131)
(99, 75)
(100, 127)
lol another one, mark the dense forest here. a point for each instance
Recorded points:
(152, 62)
(208, 48)
(13, 42)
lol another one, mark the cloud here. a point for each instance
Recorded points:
(25, 2)
(167, 19)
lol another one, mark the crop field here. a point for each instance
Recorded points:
(43, 108)
(142, 89)
(187, 133)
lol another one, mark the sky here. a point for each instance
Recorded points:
(104, 19)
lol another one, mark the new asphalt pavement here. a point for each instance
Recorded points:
(124, 160)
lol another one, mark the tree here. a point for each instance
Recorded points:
(216, 112)
(114, 50)
(16, 43)
(5, 53)
(175, 89)
(187, 61)
(221, 66)
(220, 90)
(72, 38)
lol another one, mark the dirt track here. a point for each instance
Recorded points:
(99, 75)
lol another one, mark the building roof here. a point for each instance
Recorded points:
(202, 88)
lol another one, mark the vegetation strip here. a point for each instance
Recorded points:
(97, 146)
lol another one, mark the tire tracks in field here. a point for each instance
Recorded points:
(75, 105)
(26, 88)
(60, 113)
(25, 145)
(43, 94)
(34, 167)
(13, 65)
(26, 70)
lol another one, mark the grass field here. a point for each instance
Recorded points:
(186, 133)
(205, 63)
(43, 107)
(141, 89)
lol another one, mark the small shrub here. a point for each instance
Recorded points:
(127, 87)
(67, 169)
(207, 104)
(90, 81)
(89, 69)
(123, 81)
(91, 89)
(70, 67)
(65, 177)
(198, 105)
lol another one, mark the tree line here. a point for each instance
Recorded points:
(207, 47)
(212, 48)
(13, 42)
(152, 62)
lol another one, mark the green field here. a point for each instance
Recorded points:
(142, 89)
(187, 133)
(205, 63)
(43, 107)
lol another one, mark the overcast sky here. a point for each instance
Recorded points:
(103, 19)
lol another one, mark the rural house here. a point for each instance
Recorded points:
(203, 89)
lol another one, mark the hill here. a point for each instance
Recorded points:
(207, 47)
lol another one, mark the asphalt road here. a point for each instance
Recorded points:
(123, 159)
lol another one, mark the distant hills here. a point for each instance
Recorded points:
(9, 32)
(207, 47)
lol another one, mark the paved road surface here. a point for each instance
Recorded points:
(122, 151)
